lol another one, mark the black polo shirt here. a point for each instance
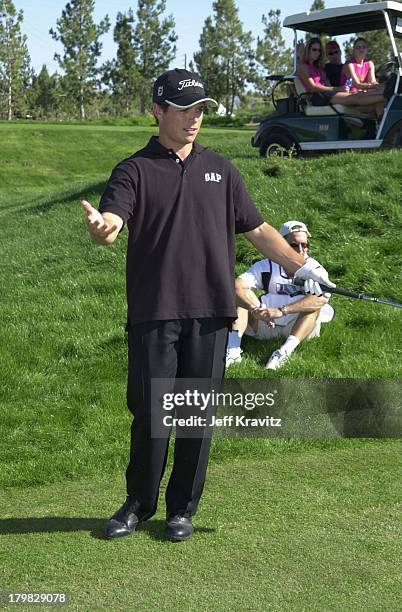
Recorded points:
(333, 72)
(182, 220)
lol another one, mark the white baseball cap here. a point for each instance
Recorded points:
(293, 226)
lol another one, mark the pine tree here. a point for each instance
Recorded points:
(206, 61)
(121, 74)
(225, 60)
(154, 41)
(272, 54)
(126, 65)
(79, 35)
(44, 94)
(318, 5)
(15, 71)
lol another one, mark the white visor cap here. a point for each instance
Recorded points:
(293, 226)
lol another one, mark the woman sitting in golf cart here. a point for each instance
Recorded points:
(312, 75)
(360, 70)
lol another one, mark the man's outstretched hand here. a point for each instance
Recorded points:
(102, 228)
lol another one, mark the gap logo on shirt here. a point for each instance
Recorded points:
(213, 176)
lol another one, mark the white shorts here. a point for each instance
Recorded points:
(264, 332)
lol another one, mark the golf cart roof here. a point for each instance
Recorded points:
(346, 19)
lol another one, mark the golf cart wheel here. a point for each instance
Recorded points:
(278, 145)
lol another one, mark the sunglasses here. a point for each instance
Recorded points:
(303, 245)
(334, 52)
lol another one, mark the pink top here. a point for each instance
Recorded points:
(317, 74)
(362, 73)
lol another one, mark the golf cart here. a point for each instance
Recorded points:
(296, 127)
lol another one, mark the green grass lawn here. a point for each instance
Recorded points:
(317, 531)
(63, 372)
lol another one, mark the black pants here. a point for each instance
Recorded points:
(182, 348)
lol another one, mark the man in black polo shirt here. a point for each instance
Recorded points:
(333, 68)
(183, 205)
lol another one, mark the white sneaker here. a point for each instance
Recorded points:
(276, 360)
(233, 355)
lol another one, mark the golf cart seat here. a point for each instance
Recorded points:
(318, 111)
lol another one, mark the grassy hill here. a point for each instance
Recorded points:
(62, 343)
(299, 524)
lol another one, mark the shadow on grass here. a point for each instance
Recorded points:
(51, 524)
(69, 198)
(96, 526)
(47, 202)
(156, 529)
(18, 207)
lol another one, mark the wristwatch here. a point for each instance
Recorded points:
(284, 310)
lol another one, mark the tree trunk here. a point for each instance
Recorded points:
(227, 103)
(82, 108)
(232, 103)
(232, 87)
(142, 103)
(10, 102)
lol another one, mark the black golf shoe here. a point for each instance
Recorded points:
(124, 521)
(178, 528)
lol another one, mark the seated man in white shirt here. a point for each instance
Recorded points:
(283, 311)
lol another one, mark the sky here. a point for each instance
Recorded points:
(189, 15)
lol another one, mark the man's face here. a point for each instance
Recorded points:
(179, 127)
(334, 55)
(299, 242)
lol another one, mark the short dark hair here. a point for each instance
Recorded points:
(360, 39)
(164, 106)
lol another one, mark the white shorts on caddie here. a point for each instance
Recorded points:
(264, 332)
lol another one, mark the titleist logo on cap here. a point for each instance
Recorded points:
(180, 88)
(189, 83)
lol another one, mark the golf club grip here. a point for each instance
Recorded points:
(351, 294)
(337, 290)
(341, 291)
(359, 296)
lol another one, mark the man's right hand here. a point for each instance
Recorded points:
(263, 314)
(103, 229)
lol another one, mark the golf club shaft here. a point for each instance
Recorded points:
(353, 294)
